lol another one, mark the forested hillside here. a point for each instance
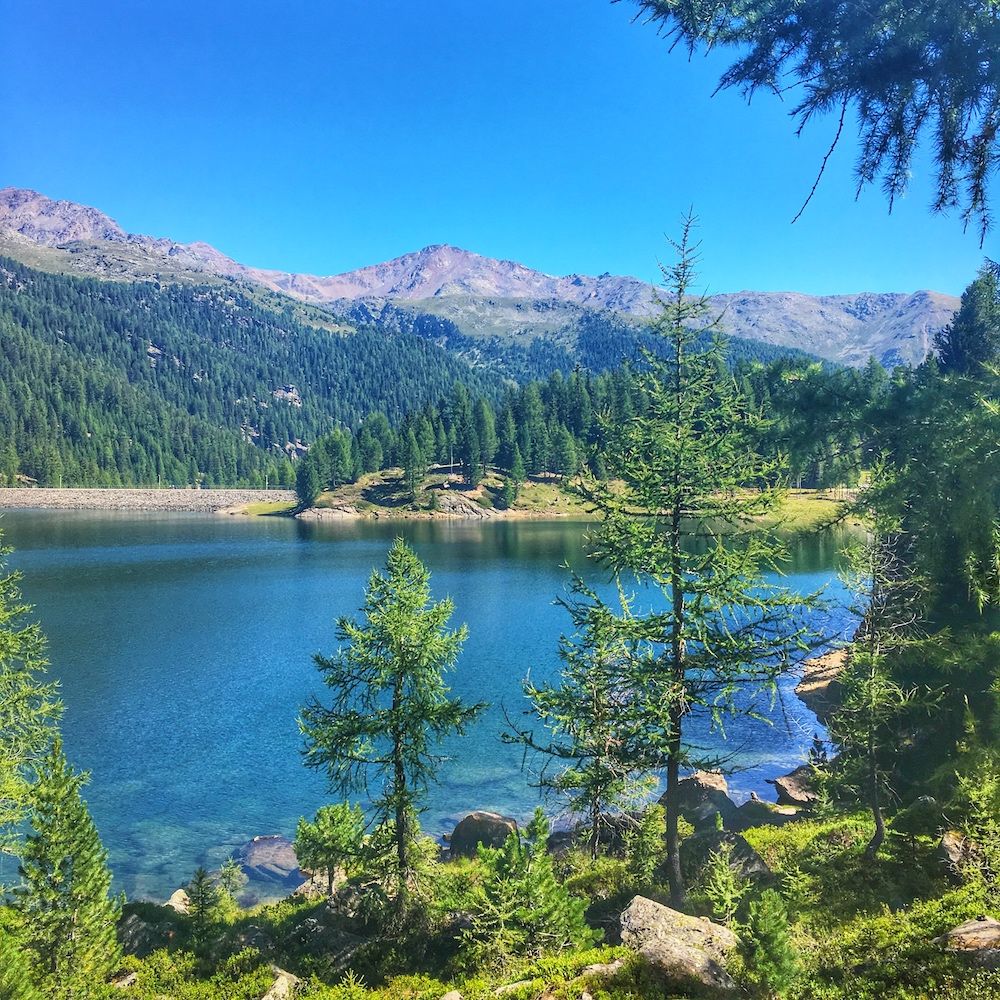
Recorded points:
(107, 383)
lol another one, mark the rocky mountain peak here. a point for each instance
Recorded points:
(53, 223)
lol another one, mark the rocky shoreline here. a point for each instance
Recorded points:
(199, 501)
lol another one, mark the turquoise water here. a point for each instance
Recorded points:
(183, 644)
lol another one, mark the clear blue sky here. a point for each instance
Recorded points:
(321, 136)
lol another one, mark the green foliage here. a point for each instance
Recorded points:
(644, 846)
(68, 918)
(332, 840)
(231, 878)
(15, 973)
(596, 761)
(29, 707)
(722, 885)
(518, 906)
(390, 704)
(770, 959)
(680, 518)
(905, 73)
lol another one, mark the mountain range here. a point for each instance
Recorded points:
(485, 308)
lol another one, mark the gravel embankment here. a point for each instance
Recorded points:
(206, 501)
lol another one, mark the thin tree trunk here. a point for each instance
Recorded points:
(878, 837)
(399, 794)
(674, 875)
(595, 829)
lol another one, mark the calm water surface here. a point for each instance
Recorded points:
(184, 645)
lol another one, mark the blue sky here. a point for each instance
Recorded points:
(321, 136)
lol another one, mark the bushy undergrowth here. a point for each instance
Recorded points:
(828, 926)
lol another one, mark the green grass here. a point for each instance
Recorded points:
(275, 507)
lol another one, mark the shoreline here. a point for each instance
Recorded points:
(138, 500)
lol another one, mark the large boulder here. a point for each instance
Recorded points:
(796, 787)
(702, 796)
(487, 828)
(695, 852)
(685, 951)
(271, 859)
(978, 940)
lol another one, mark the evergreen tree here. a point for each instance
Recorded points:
(767, 949)
(15, 973)
(28, 706)
(390, 706)
(68, 916)
(873, 714)
(972, 339)
(308, 484)
(413, 464)
(331, 840)
(518, 905)
(203, 907)
(681, 520)
(595, 761)
(486, 433)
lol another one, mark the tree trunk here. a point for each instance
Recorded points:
(672, 804)
(399, 794)
(595, 829)
(878, 837)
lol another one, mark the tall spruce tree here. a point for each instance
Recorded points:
(391, 706)
(69, 918)
(681, 520)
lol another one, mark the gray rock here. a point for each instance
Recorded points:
(702, 795)
(487, 828)
(179, 901)
(953, 853)
(283, 987)
(695, 852)
(979, 940)
(685, 951)
(796, 787)
(124, 980)
(271, 859)
(141, 938)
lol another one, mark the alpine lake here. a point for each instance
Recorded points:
(183, 645)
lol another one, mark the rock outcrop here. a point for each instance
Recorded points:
(757, 813)
(703, 795)
(796, 787)
(695, 852)
(978, 940)
(487, 828)
(819, 688)
(685, 951)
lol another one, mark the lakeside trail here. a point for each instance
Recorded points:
(202, 501)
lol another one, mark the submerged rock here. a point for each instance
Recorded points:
(487, 828)
(271, 859)
(685, 951)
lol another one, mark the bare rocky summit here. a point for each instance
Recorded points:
(480, 295)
